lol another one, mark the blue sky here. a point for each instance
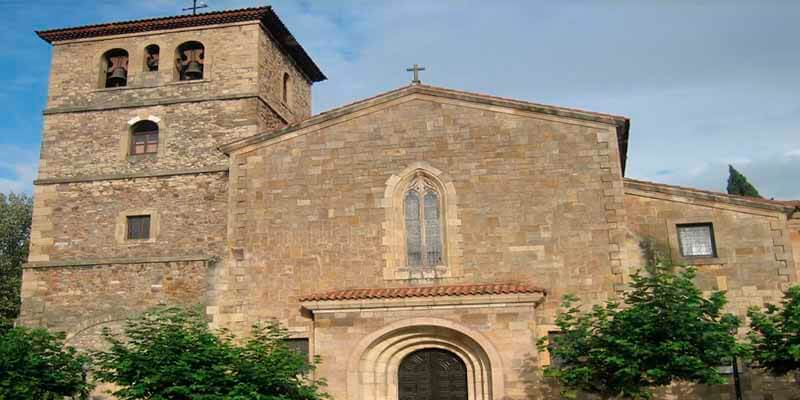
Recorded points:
(704, 83)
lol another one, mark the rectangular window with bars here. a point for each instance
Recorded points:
(697, 240)
(138, 227)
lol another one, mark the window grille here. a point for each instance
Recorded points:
(139, 227)
(697, 240)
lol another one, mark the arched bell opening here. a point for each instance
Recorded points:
(190, 61)
(114, 68)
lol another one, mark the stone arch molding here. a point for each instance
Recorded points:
(394, 229)
(372, 368)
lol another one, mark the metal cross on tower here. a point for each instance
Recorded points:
(194, 7)
(416, 68)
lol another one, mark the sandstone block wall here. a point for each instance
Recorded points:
(97, 143)
(79, 221)
(272, 64)
(537, 202)
(755, 263)
(231, 67)
(82, 300)
(507, 332)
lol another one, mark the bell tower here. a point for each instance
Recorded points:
(131, 182)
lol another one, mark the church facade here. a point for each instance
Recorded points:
(418, 241)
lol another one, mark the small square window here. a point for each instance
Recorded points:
(552, 337)
(697, 240)
(138, 227)
(299, 345)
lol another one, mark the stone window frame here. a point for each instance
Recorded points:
(394, 240)
(121, 230)
(146, 52)
(544, 331)
(125, 140)
(101, 69)
(176, 75)
(675, 247)
(711, 238)
(286, 95)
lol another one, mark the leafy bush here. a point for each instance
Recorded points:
(171, 354)
(666, 331)
(34, 364)
(775, 335)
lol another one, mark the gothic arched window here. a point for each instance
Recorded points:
(423, 227)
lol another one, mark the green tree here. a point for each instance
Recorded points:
(775, 335)
(171, 354)
(738, 184)
(15, 228)
(35, 364)
(664, 331)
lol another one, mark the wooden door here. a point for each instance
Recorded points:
(432, 374)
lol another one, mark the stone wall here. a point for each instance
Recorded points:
(98, 142)
(754, 265)
(231, 67)
(78, 221)
(534, 198)
(358, 347)
(273, 63)
(754, 260)
(82, 300)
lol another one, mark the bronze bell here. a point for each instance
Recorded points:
(118, 77)
(193, 71)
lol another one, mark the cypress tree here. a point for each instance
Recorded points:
(738, 184)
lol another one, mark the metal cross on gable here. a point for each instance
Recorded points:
(194, 7)
(416, 68)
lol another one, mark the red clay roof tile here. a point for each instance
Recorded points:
(425, 291)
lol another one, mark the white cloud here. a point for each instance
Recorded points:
(793, 153)
(18, 169)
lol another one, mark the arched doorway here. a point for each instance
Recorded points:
(432, 374)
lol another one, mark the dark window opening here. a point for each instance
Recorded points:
(144, 138)
(552, 343)
(286, 88)
(299, 345)
(697, 240)
(152, 53)
(115, 68)
(190, 61)
(138, 227)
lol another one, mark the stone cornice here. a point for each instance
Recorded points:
(282, 111)
(132, 175)
(664, 190)
(424, 303)
(111, 261)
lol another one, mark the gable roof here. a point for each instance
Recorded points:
(269, 21)
(622, 124)
(786, 206)
(425, 291)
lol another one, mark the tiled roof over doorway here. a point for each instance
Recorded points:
(425, 291)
